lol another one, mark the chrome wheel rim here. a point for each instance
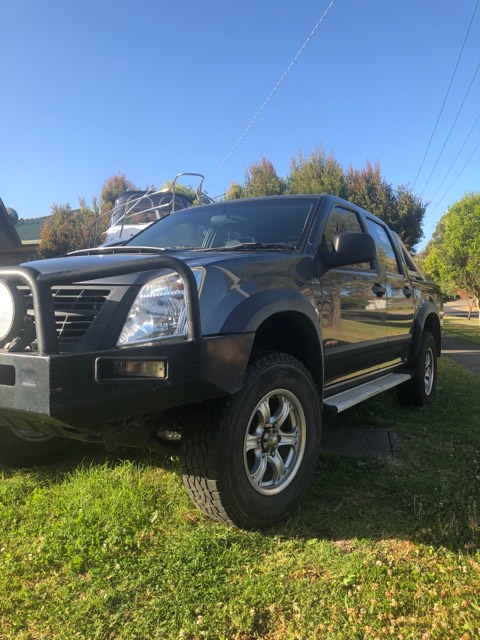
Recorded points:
(429, 371)
(30, 436)
(274, 443)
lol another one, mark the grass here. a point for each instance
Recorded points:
(107, 547)
(461, 328)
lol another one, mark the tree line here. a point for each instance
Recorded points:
(68, 229)
(452, 257)
(322, 173)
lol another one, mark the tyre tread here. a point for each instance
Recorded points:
(412, 392)
(203, 470)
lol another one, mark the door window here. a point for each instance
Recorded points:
(386, 253)
(411, 266)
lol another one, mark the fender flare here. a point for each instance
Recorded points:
(426, 311)
(255, 310)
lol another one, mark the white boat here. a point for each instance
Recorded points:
(135, 210)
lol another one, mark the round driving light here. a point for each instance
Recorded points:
(12, 311)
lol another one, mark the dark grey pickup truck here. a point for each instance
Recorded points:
(233, 325)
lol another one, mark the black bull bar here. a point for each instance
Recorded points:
(40, 285)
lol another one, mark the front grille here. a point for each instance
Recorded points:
(75, 309)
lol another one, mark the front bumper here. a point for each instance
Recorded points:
(65, 393)
(74, 394)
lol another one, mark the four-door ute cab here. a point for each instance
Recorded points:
(233, 324)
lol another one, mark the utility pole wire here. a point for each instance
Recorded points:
(267, 99)
(446, 96)
(458, 175)
(451, 129)
(455, 159)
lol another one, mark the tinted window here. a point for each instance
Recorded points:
(386, 253)
(341, 221)
(411, 266)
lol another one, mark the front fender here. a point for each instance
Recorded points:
(253, 311)
(284, 320)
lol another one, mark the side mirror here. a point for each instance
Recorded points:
(350, 248)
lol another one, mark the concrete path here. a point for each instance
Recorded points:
(359, 441)
(459, 309)
(465, 353)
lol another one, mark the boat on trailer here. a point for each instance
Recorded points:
(135, 210)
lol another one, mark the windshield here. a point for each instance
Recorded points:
(229, 225)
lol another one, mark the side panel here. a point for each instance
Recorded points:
(352, 311)
(399, 293)
(353, 324)
(400, 315)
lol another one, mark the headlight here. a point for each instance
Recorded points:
(158, 311)
(12, 311)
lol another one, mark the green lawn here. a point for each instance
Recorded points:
(111, 548)
(462, 328)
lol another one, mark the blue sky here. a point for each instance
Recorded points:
(96, 87)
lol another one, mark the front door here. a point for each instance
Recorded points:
(352, 309)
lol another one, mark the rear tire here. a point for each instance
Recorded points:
(23, 448)
(249, 460)
(420, 390)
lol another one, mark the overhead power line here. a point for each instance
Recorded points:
(267, 99)
(451, 129)
(446, 96)
(457, 177)
(456, 157)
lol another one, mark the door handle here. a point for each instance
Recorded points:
(379, 290)
(407, 292)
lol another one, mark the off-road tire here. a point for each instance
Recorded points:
(29, 449)
(420, 390)
(225, 448)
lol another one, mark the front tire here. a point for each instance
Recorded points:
(248, 461)
(24, 448)
(420, 390)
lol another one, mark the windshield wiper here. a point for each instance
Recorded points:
(253, 246)
(99, 251)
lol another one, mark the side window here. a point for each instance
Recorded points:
(386, 254)
(341, 221)
(411, 266)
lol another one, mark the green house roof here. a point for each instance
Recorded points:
(29, 229)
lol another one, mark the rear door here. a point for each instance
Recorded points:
(399, 294)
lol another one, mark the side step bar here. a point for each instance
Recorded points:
(346, 399)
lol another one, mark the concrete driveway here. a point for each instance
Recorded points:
(459, 309)
(465, 353)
